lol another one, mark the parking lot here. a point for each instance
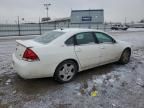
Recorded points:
(117, 86)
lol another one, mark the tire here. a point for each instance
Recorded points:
(125, 57)
(65, 71)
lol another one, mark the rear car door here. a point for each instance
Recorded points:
(108, 47)
(86, 49)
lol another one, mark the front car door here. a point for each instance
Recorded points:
(108, 46)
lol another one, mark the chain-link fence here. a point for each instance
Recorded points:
(40, 28)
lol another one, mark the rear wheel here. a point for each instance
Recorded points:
(66, 71)
(125, 57)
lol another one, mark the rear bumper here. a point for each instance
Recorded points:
(29, 70)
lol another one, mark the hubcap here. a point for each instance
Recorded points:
(66, 72)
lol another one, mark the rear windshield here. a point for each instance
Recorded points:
(48, 37)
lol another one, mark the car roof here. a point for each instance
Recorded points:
(77, 30)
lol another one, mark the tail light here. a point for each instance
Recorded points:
(30, 55)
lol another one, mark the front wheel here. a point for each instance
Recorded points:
(66, 71)
(125, 57)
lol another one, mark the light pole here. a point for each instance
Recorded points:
(47, 7)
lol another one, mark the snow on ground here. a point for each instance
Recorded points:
(117, 86)
(136, 39)
(136, 29)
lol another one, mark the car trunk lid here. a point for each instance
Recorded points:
(21, 46)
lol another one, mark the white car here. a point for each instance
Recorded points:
(64, 52)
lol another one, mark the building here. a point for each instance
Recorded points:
(59, 20)
(80, 19)
(87, 16)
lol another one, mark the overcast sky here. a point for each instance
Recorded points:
(31, 10)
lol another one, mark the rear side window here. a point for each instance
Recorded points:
(84, 38)
(101, 37)
(70, 41)
(48, 37)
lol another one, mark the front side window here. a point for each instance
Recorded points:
(48, 37)
(84, 38)
(102, 38)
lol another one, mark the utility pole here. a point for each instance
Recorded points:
(47, 8)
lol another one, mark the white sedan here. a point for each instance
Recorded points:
(64, 52)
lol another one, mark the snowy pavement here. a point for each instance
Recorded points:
(116, 86)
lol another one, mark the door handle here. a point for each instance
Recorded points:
(78, 50)
(102, 47)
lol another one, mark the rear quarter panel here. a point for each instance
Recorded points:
(51, 56)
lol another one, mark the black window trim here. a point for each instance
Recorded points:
(95, 38)
(73, 41)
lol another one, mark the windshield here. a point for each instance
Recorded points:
(48, 37)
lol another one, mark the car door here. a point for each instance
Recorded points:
(108, 47)
(87, 50)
